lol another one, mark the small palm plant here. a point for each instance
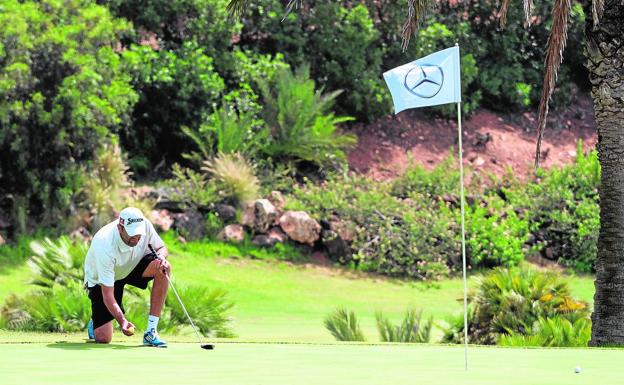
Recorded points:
(303, 128)
(556, 331)
(413, 329)
(343, 325)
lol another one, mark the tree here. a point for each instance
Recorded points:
(603, 42)
(63, 92)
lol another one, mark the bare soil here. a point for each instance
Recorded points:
(492, 141)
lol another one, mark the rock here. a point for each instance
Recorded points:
(266, 215)
(260, 216)
(276, 234)
(277, 199)
(190, 224)
(263, 241)
(478, 162)
(80, 235)
(300, 227)
(162, 196)
(226, 213)
(345, 229)
(2, 240)
(162, 220)
(232, 233)
(338, 249)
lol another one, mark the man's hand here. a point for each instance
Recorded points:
(164, 265)
(127, 327)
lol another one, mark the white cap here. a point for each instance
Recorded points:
(133, 221)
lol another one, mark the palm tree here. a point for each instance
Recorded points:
(604, 41)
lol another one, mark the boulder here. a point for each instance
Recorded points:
(190, 224)
(300, 227)
(260, 215)
(232, 233)
(263, 241)
(277, 235)
(226, 213)
(162, 220)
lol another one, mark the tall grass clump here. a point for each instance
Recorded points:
(344, 326)
(234, 176)
(413, 329)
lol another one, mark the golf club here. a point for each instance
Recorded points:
(199, 338)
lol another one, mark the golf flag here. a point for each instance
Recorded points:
(429, 81)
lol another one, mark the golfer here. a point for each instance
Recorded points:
(119, 255)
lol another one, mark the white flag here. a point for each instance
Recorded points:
(429, 81)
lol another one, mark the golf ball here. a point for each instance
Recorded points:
(131, 329)
(577, 369)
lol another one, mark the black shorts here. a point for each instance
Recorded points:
(99, 312)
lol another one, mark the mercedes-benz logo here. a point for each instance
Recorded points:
(424, 80)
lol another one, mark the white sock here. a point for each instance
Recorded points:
(152, 323)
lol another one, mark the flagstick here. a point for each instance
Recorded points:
(461, 184)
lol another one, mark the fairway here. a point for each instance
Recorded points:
(290, 364)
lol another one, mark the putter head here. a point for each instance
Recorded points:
(207, 346)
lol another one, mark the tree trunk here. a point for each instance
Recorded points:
(605, 53)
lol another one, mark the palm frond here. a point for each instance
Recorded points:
(236, 8)
(528, 12)
(597, 9)
(502, 13)
(416, 13)
(554, 56)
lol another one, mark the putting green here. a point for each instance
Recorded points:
(291, 364)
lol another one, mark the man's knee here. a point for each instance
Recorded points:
(103, 340)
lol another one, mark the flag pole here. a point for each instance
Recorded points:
(461, 189)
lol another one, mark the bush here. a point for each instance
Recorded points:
(64, 91)
(339, 43)
(415, 238)
(563, 210)
(495, 234)
(553, 332)
(343, 325)
(178, 89)
(413, 329)
(301, 122)
(510, 301)
(206, 307)
(442, 180)
(191, 188)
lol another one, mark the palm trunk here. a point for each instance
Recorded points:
(605, 51)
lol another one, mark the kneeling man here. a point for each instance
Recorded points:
(120, 255)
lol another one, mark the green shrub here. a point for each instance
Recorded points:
(442, 180)
(413, 329)
(563, 210)
(510, 301)
(191, 188)
(495, 233)
(339, 43)
(303, 127)
(415, 238)
(343, 325)
(64, 91)
(206, 307)
(178, 88)
(552, 332)
(57, 262)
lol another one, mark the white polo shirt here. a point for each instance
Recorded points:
(109, 259)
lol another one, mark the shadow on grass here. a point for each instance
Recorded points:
(89, 346)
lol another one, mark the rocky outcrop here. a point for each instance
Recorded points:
(300, 227)
(232, 233)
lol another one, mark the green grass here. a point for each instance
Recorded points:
(285, 301)
(291, 364)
